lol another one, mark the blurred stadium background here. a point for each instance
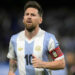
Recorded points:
(59, 19)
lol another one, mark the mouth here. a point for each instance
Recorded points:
(29, 21)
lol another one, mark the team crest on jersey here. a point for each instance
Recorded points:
(20, 49)
(54, 54)
(38, 48)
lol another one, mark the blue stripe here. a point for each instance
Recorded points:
(45, 47)
(55, 41)
(45, 50)
(28, 57)
(47, 37)
(14, 43)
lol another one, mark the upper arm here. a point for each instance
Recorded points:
(54, 49)
(11, 53)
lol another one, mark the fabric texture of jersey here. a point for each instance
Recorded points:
(22, 48)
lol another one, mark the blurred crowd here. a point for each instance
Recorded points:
(59, 21)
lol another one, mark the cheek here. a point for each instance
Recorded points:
(36, 21)
(24, 19)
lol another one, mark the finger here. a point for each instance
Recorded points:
(33, 56)
(35, 65)
(34, 61)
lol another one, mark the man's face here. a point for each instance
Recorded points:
(31, 19)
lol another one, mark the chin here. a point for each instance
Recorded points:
(30, 29)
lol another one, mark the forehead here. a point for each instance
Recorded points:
(31, 10)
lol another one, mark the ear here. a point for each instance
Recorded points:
(40, 20)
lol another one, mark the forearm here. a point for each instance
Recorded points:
(12, 65)
(54, 65)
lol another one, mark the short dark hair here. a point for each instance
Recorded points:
(35, 5)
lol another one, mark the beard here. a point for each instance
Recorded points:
(30, 28)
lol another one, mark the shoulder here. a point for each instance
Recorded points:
(46, 33)
(49, 35)
(14, 37)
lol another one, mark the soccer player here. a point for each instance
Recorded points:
(33, 50)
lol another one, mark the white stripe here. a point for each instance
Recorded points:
(51, 44)
(38, 50)
(21, 54)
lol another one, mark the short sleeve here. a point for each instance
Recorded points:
(54, 49)
(11, 52)
(53, 43)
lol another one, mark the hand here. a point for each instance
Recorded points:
(11, 73)
(37, 63)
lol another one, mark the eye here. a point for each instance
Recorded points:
(33, 14)
(26, 14)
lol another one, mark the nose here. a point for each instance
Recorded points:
(29, 16)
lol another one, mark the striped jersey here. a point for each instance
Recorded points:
(41, 45)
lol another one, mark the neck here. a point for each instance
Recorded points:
(30, 35)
